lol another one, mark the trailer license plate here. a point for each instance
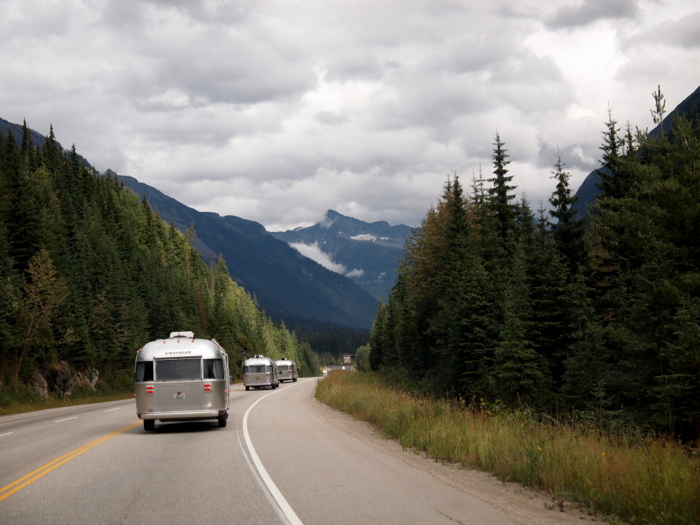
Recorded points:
(178, 396)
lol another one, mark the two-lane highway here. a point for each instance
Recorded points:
(281, 459)
(101, 467)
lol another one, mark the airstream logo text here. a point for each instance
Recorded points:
(178, 352)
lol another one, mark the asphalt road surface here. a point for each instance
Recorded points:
(283, 458)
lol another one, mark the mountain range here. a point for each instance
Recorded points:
(287, 285)
(367, 253)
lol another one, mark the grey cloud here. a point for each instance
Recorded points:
(573, 155)
(683, 33)
(139, 13)
(590, 11)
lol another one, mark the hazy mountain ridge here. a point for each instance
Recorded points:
(286, 284)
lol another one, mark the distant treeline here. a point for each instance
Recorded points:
(89, 273)
(597, 319)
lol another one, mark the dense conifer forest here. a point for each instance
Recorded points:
(595, 319)
(89, 274)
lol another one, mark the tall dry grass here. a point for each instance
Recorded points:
(638, 481)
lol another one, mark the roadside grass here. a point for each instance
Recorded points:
(650, 481)
(29, 405)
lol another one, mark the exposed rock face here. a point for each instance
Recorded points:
(88, 379)
(58, 379)
(38, 385)
(94, 376)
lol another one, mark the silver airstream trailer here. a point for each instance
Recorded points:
(287, 370)
(182, 379)
(260, 372)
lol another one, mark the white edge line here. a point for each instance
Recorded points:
(258, 480)
(5, 434)
(274, 491)
(112, 409)
(66, 419)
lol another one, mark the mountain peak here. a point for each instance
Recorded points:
(367, 253)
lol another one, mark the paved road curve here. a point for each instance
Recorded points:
(279, 460)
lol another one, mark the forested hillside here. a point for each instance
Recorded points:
(596, 321)
(89, 273)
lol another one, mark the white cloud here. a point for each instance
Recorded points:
(313, 252)
(355, 273)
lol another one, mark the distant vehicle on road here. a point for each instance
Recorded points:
(287, 370)
(182, 379)
(260, 372)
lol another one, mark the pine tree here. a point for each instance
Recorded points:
(678, 386)
(518, 369)
(548, 277)
(611, 156)
(500, 194)
(657, 114)
(567, 231)
(473, 332)
(377, 338)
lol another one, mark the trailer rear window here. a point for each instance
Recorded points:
(213, 369)
(283, 368)
(144, 371)
(178, 369)
(254, 369)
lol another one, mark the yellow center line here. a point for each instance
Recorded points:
(8, 490)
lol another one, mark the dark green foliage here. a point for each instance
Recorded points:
(601, 319)
(89, 273)
(501, 192)
(568, 230)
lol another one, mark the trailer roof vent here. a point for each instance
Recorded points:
(187, 335)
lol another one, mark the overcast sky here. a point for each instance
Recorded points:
(277, 110)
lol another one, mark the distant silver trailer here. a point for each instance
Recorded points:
(182, 379)
(287, 370)
(260, 372)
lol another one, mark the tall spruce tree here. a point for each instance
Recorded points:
(500, 193)
(567, 230)
(518, 369)
(21, 214)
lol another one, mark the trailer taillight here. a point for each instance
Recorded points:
(207, 387)
(150, 389)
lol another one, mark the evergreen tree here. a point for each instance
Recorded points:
(21, 215)
(518, 369)
(678, 386)
(474, 332)
(611, 156)
(567, 231)
(548, 277)
(500, 194)
(376, 339)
